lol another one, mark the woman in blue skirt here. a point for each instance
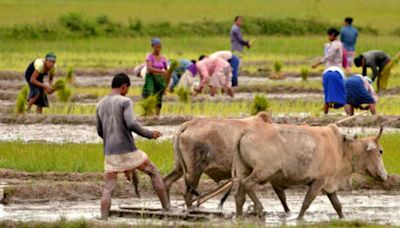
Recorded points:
(360, 94)
(334, 93)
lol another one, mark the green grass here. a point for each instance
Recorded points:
(386, 106)
(379, 14)
(44, 157)
(126, 52)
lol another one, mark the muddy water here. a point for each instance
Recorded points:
(63, 133)
(368, 206)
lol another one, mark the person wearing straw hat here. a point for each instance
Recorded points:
(360, 94)
(34, 75)
(155, 80)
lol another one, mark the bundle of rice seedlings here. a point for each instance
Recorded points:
(64, 94)
(183, 94)
(148, 106)
(172, 67)
(260, 103)
(20, 104)
(304, 72)
(70, 76)
(60, 84)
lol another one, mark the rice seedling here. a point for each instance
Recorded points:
(70, 76)
(148, 106)
(183, 94)
(260, 103)
(21, 101)
(304, 72)
(59, 84)
(64, 95)
(277, 74)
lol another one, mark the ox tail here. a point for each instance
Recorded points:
(189, 187)
(233, 173)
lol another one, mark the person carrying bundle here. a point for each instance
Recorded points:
(34, 75)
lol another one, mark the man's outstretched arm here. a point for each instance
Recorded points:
(132, 124)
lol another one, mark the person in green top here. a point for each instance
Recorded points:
(34, 75)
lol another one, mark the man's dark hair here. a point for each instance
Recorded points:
(238, 17)
(349, 20)
(193, 61)
(119, 80)
(358, 60)
(201, 57)
(333, 32)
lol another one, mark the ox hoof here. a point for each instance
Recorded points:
(256, 211)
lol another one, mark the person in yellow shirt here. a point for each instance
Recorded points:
(34, 75)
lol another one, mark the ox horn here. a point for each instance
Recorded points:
(380, 132)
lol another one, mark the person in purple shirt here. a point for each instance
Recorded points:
(155, 82)
(237, 41)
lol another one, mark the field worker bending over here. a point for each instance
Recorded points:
(233, 60)
(334, 94)
(34, 75)
(155, 80)
(381, 65)
(216, 72)
(115, 122)
(333, 51)
(177, 74)
(360, 94)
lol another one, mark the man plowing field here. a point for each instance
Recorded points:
(115, 123)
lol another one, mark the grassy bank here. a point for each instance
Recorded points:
(127, 52)
(386, 106)
(379, 14)
(42, 157)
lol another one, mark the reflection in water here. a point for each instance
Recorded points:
(368, 206)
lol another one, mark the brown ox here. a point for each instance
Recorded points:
(320, 157)
(207, 146)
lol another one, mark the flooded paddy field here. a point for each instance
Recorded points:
(376, 207)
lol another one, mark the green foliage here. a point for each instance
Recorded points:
(21, 101)
(59, 84)
(63, 91)
(149, 105)
(183, 94)
(304, 72)
(260, 103)
(70, 76)
(64, 95)
(173, 66)
(72, 157)
(277, 67)
(76, 25)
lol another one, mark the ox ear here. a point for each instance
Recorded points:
(371, 145)
(380, 133)
(349, 137)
